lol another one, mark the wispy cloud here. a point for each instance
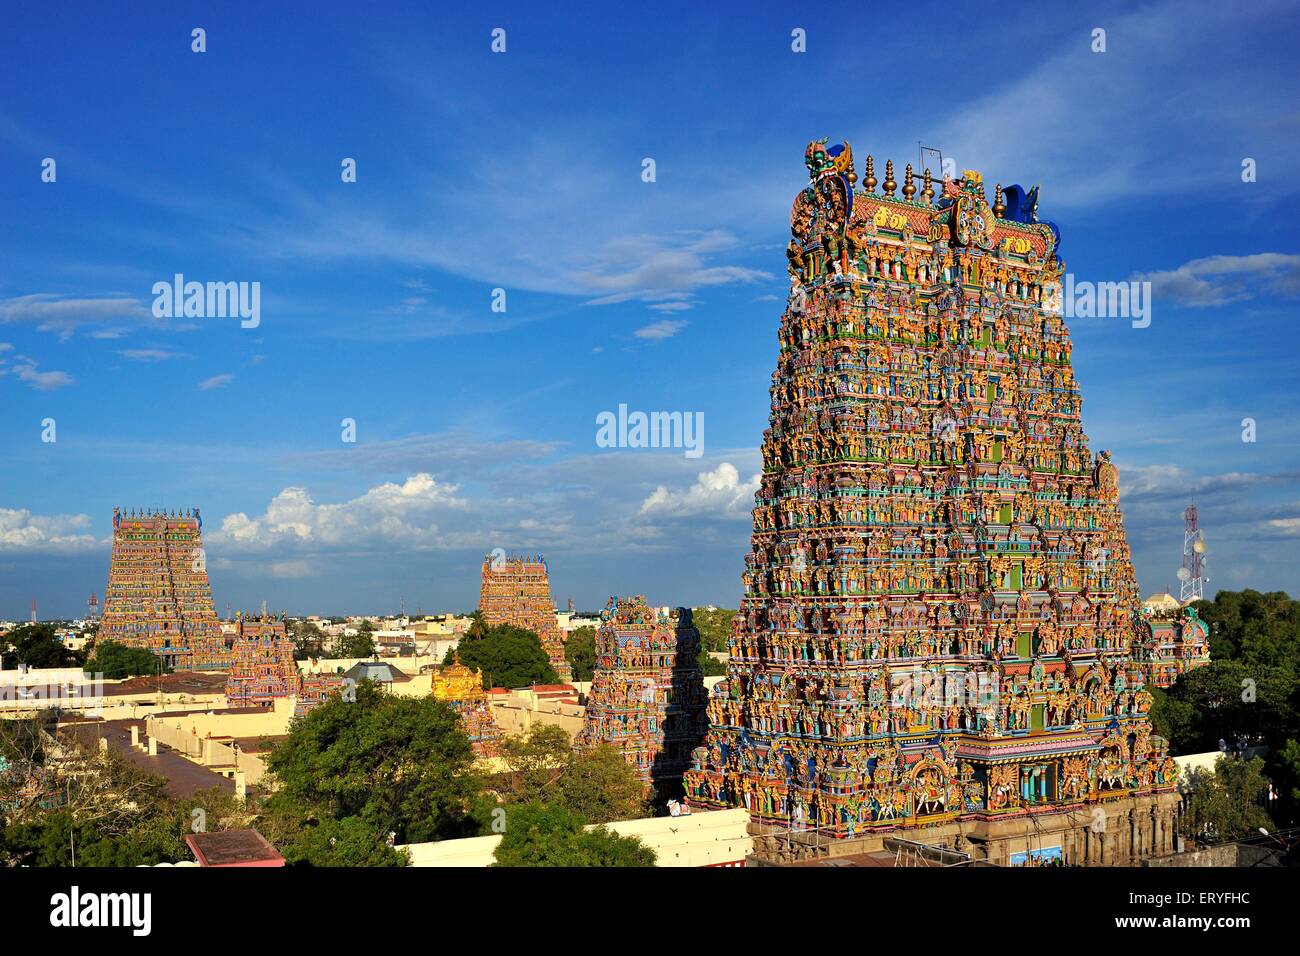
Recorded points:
(1097, 127)
(663, 329)
(151, 355)
(1221, 280)
(216, 381)
(63, 315)
(26, 371)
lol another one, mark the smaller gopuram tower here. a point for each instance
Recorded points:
(1171, 643)
(462, 688)
(158, 596)
(647, 693)
(262, 668)
(517, 591)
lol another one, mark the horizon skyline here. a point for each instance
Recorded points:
(476, 427)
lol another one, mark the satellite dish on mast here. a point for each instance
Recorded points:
(1184, 574)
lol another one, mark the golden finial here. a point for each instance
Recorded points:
(909, 187)
(928, 192)
(890, 185)
(999, 207)
(870, 181)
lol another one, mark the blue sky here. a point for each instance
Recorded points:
(522, 171)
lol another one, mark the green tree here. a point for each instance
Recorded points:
(1172, 717)
(508, 656)
(711, 666)
(539, 834)
(112, 812)
(1251, 689)
(361, 644)
(308, 640)
(37, 645)
(580, 652)
(1224, 803)
(534, 762)
(602, 787)
(1253, 627)
(714, 627)
(347, 842)
(115, 661)
(399, 764)
(542, 765)
(478, 625)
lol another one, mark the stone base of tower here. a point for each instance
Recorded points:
(1134, 829)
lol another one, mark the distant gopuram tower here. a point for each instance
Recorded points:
(517, 590)
(647, 693)
(462, 689)
(158, 596)
(939, 602)
(262, 667)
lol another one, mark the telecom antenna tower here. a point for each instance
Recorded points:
(1191, 576)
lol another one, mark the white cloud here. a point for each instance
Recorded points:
(651, 268)
(27, 373)
(50, 312)
(393, 514)
(718, 493)
(216, 381)
(1285, 527)
(20, 530)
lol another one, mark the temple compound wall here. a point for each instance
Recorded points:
(517, 590)
(1118, 833)
(158, 596)
(939, 613)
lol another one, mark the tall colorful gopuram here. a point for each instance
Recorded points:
(939, 603)
(262, 667)
(647, 692)
(517, 590)
(462, 688)
(158, 596)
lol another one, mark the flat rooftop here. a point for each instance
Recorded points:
(184, 777)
